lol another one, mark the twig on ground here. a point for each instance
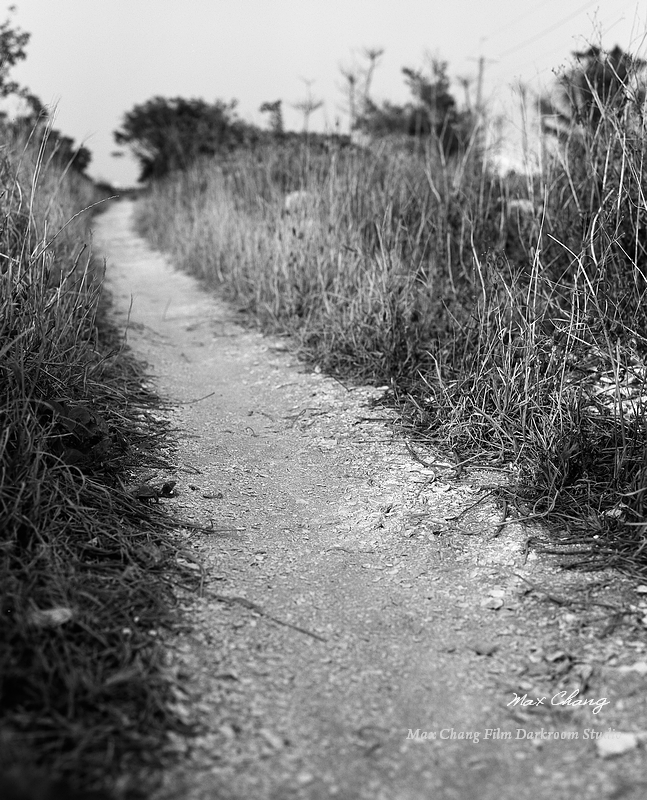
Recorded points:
(243, 601)
(196, 400)
(504, 521)
(560, 601)
(469, 507)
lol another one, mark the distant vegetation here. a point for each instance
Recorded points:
(169, 134)
(432, 112)
(507, 313)
(56, 146)
(600, 84)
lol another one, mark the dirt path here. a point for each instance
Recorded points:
(348, 605)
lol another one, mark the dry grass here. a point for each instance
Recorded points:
(507, 335)
(85, 568)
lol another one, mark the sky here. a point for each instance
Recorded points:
(90, 61)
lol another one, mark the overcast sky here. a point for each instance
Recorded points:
(94, 59)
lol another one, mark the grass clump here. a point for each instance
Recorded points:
(506, 313)
(84, 580)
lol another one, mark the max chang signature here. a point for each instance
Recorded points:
(560, 699)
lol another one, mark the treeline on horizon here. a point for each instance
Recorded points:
(168, 134)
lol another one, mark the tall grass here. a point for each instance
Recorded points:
(81, 580)
(507, 314)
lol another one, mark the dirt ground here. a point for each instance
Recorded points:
(366, 629)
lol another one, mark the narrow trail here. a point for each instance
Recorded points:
(358, 594)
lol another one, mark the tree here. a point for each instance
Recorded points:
(373, 56)
(62, 149)
(351, 77)
(432, 93)
(33, 115)
(432, 112)
(599, 83)
(357, 85)
(13, 43)
(168, 134)
(307, 106)
(276, 116)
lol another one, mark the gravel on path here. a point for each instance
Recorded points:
(365, 625)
